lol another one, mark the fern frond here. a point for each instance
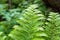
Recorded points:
(30, 25)
(53, 26)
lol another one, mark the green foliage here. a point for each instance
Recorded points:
(53, 26)
(30, 25)
(30, 20)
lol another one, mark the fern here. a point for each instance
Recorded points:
(30, 25)
(53, 26)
